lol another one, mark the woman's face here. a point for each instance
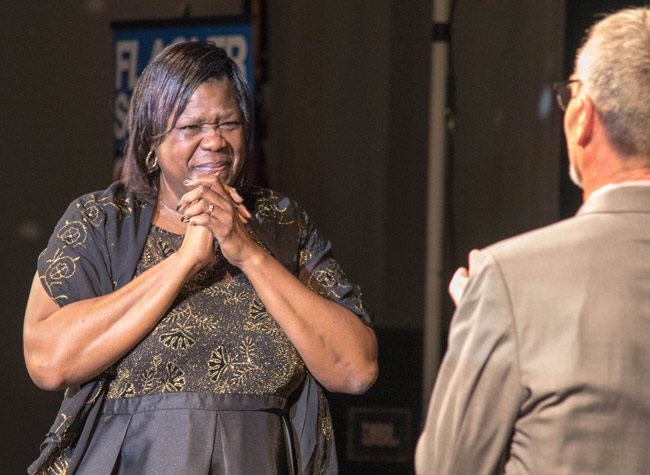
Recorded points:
(207, 138)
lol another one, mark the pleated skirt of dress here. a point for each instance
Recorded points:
(190, 433)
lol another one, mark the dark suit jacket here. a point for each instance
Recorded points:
(548, 365)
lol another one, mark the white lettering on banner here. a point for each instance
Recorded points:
(120, 113)
(126, 63)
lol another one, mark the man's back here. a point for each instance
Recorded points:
(547, 364)
(580, 294)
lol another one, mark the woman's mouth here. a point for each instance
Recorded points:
(210, 168)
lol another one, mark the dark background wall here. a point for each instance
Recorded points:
(346, 106)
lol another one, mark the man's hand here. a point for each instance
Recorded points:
(461, 276)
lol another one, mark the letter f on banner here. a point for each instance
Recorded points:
(126, 63)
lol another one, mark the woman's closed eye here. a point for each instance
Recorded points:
(189, 129)
(230, 125)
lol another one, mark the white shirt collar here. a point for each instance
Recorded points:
(612, 186)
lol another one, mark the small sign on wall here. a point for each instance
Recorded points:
(380, 434)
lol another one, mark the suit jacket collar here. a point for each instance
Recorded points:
(623, 199)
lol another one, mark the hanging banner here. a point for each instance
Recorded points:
(137, 42)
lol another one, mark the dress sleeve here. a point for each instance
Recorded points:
(478, 392)
(74, 265)
(320, 272)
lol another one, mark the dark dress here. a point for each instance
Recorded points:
(209, 390)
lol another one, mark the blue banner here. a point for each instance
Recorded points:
(136, 45)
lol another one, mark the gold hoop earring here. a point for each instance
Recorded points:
(151, 163)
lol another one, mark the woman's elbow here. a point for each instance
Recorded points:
(45, 371)
(46, 377)
(364, 380)
(363, 374)
(358, 381)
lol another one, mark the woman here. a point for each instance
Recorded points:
(187, 314)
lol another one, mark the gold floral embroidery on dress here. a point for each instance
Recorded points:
(259, 320)
(177, 330)
(268, 207)
(149, 377)
(62, 264)
(230, 290)
(178, 338)
(93, 210)
(59, 268)
(326, 279)
(174, 379)
(64, 420)
(303, 257)
(169, 379)
(121, 387)
(324, 419)
(73, 234)
(231, 370)
(326, 426)
(57, 466)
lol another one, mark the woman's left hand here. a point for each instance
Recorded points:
(220, 208)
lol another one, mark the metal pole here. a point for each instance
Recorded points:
(435, 196)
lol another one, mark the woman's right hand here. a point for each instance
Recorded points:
(197, 247)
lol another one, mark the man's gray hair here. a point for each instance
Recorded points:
(614, 66)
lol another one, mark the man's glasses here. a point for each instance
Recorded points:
(563, 92)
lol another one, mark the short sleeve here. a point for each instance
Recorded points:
(288, 233)
(320, 272)
(74, 265)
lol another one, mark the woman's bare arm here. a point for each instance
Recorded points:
(69, 345)
(337, 347)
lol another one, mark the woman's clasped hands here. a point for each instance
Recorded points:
(214, 210)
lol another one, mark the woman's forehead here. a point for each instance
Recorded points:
(212, 95)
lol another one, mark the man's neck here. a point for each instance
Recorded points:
(624, 175)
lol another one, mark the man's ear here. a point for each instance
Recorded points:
(586, 114)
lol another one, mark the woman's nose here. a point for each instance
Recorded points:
(213, 139)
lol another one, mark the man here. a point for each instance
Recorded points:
(548, 365)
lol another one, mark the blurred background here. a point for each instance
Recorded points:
(343, 93)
